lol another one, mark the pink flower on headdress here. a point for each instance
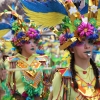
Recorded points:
(62, 39)
(32, 30)
(32, 33)
(85, 29)
(22, 37)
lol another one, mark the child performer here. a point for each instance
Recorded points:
(27, 84)
(81, 81)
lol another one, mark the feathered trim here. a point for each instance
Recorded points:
(45, 19)
(46, 14)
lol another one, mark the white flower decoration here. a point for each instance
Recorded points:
(85, 20)
(94, 9)
(72, 10)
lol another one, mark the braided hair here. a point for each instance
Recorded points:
(96, 73)
(73, 72)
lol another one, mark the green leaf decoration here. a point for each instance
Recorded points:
(93, 21)
(23, 24)
(30, 90)
(6, 97)
(59, 32)
(77, 22)
(33, 25)
(67, 24)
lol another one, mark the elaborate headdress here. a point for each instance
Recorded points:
(22, 31)
(74, 27)
(79, 27)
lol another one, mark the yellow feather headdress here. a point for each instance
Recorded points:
(52, 12)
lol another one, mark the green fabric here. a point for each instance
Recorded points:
(8, 98)
(29, 89)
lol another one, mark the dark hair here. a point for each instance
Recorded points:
(73, 72)
(18, 48)
(96, 73)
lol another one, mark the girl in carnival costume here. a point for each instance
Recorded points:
(25, 85)
(81, 81)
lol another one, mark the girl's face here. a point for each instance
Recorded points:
(82, 49)
(30, 47)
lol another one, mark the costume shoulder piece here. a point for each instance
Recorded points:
(65, 72)
(12, 59)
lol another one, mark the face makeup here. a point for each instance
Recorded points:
(88, 53)
(32, 49)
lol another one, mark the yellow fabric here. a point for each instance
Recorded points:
(98, 18)
(19, 83)
(57, 82)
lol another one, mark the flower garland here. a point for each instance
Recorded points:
(80, 29)
(21, 37)
(23, 33)
(29, 90)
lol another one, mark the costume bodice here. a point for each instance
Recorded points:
(28, 79)
(85, 82)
